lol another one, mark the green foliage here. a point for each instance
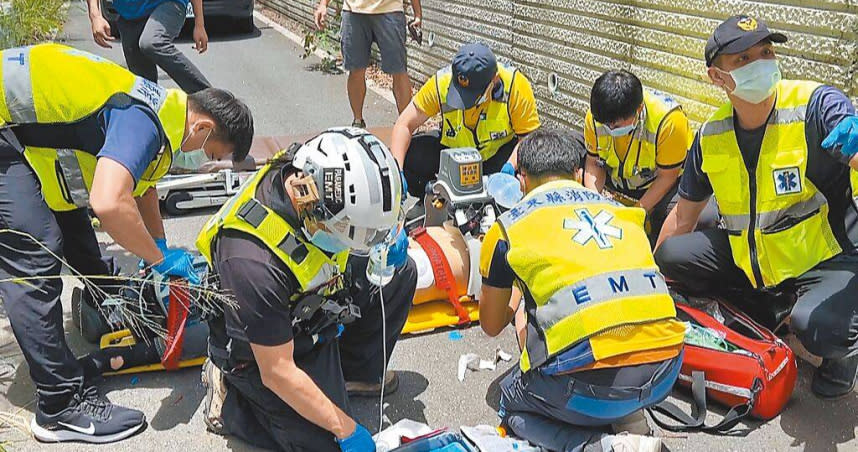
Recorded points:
(24, 22)
(326, 41)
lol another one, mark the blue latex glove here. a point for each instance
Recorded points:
(508, 169)
(340, 328)
(179, 263)
(162, 245)
(404, 185)
(359, 441)
(397, 254)
(845, 135)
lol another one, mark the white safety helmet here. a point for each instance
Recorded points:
(359, 188)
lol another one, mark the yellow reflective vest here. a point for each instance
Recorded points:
(638, 169)
(243, 212)
(776, 219)
(584, 265)
(54, 84)
(494, 127)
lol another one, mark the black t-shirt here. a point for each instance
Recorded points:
(260, 282)
(827, 169)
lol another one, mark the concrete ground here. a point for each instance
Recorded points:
(264, 69)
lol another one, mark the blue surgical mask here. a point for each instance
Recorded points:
(756, 81)
(326, 241)
(621, 131)
(191, 160)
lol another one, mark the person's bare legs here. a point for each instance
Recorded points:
(357, 92)
(401, 90)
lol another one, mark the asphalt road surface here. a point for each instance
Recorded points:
(264, 68)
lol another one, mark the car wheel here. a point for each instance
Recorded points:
(245, 25)
(172, 201)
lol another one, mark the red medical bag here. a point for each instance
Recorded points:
(749, 369)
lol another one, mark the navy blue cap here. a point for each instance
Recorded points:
(474, 67)
(737, 34)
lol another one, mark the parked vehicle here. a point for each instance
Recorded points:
(239, 12)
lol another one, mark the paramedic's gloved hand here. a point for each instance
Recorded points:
(359, 441)
(162, 245)
(397, 254)
(845, 135)
(508, 169)
(179, 263)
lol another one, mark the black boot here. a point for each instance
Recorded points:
(835, 378)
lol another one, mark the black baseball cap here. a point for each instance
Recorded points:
(737, 34)
(474, 67)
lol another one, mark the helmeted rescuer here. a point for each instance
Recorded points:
(637, 140)
(601, 340)
(79, 131)
(787, 247)
(483, 104)
(279, 373)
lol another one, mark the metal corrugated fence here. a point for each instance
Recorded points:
(659, 40)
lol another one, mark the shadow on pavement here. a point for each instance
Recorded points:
(403, 404)
(178, 407)
(818, 425)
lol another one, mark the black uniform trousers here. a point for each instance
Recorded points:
(31, 239)
(255, 414)
(824, 317)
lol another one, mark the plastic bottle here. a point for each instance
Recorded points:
(505, 189)
(378, 272)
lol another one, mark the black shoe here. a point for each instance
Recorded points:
(835, 378)
(88, 418)
(359, 123)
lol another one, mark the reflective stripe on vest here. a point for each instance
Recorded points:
(73, 177)
(596, 290)
(776, 218)
(17, 85)
(56, 84)
(563, 240)
(494, 125)
(638, 169)
(310, 266)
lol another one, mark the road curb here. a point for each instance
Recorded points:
(385, 94)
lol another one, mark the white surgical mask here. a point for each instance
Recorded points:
(191, 160)
(756, 81)
(486, 95)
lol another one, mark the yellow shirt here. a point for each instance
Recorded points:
(522, 105)
(672, 140)
(373, 6)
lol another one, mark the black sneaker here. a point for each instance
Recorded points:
(359, 123)
(835, 378)
(88, 418)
